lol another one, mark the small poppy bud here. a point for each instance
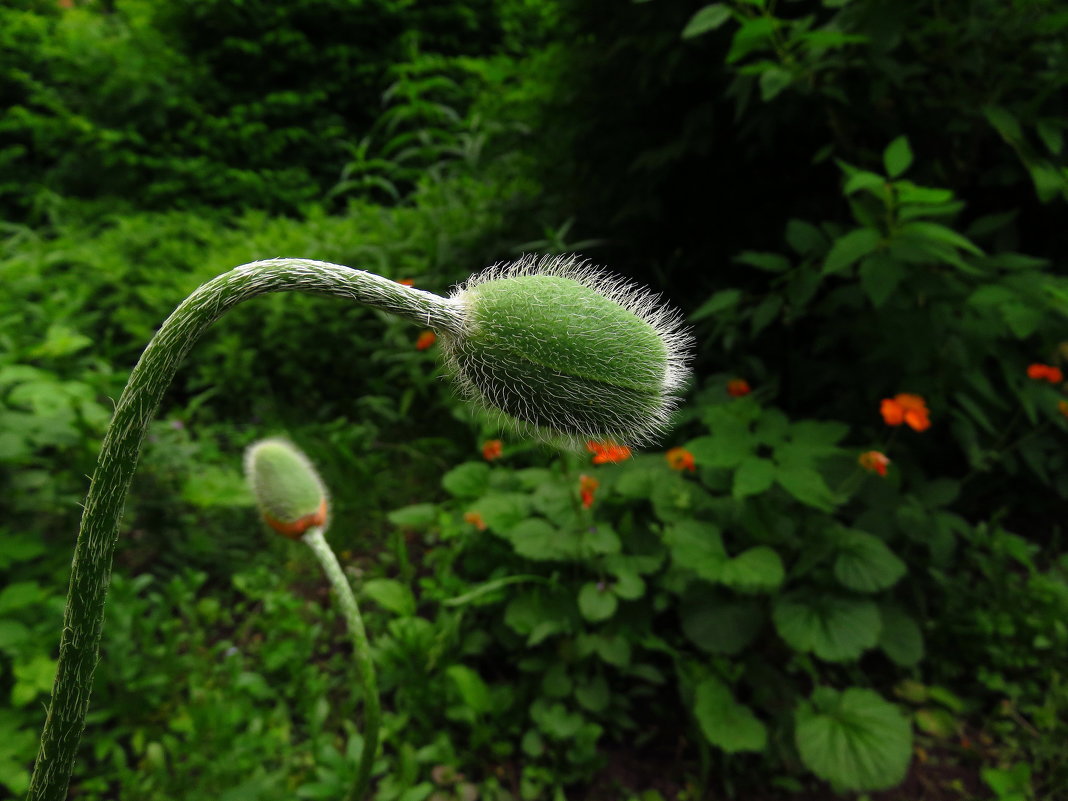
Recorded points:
(288, 490)
(568, 351)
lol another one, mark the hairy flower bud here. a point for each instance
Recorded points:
(568, 351)
(288, 491)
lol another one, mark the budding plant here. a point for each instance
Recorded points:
(293, 501)
(564, 351)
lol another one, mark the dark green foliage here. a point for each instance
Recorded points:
(850, 199)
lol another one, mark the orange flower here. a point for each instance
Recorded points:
(874, 462)
(1046, 372)
(406, 282)
(906, 408)
(492, 449)
(1062, 407)
(475, 519)
(587, 486)
(738, 388)
(426, 339)
(680, 459)
(605, 452)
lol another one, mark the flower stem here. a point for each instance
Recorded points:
(361, 651)
(91, 569)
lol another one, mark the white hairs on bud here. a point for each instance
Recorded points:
(555, 412)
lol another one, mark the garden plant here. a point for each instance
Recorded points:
(562, 349)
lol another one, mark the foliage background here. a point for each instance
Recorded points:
(849, 199)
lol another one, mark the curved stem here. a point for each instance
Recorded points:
(362, 653)
(91, 568)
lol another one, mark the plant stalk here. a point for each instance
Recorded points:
(91, 569)
(361, 651)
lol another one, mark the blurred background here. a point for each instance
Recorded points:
(850, 200)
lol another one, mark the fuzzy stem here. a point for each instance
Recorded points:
(91, 569)
(361, 651)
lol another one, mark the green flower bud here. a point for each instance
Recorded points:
(568, 351)
(289, 492)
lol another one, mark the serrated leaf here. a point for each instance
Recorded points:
(834, 628)
(855, 739)
(724, 722)
(850, 248)
(864, 562)
(706, 19)
(897, 157)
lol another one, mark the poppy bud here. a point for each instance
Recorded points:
(566, 350)
(288, 491)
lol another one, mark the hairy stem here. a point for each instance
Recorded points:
(361, 651)
(91, 568)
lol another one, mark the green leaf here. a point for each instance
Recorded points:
(417, 515)
(851, 247)
(534, 538)
(596, 602)
(390, 594)
(897, 157)
(805, 238)
(468, 480)
(472, 689)
(900, 637)
(753, 477)
(805, 484)
(854, 739)
(773, 81)
(20, 594)
(718, 625)
(594, 695)
(706, 19)
(1049, 132)
(835, 628)
(215, 487)
(769, 262)
(864, 180)
(880, 274)
(726, 723)
(754, 34)
(758, 569)
(720, 301)
(696, 546)
(728, 446)
(502, 511)
(766, 312)
(936, 232)
(864, 562)
(1004, 123)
